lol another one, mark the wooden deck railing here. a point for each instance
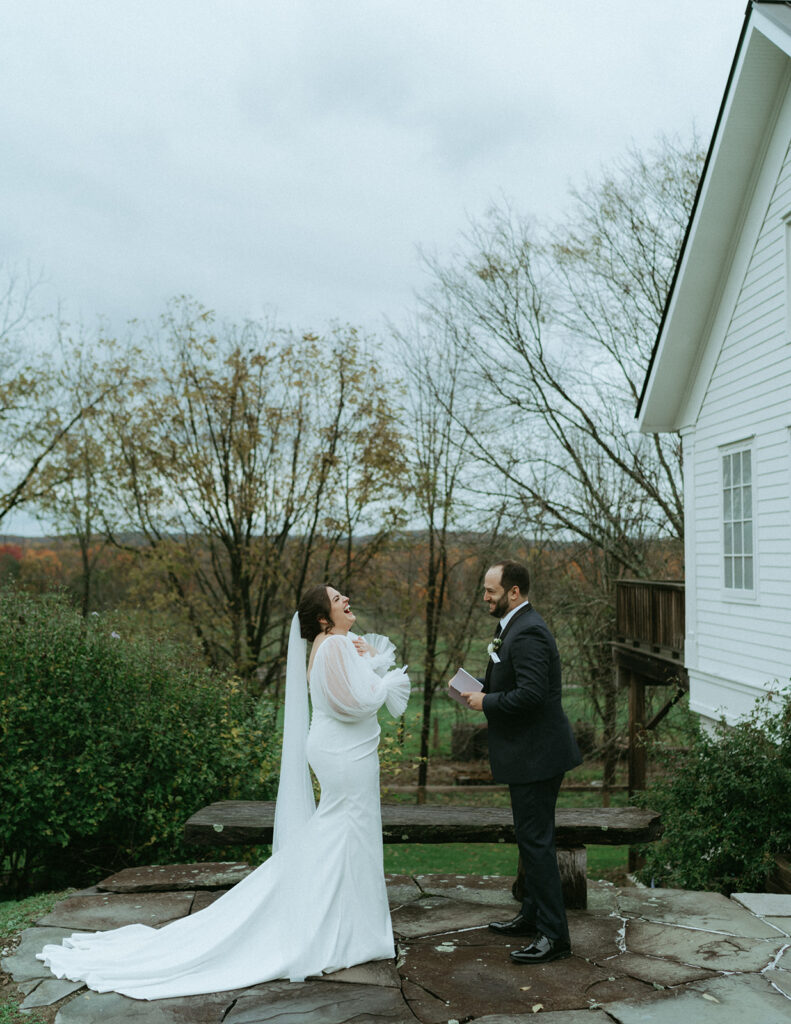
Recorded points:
(649, 615)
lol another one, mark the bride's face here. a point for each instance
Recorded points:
(342, 617)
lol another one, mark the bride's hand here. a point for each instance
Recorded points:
(363, 647)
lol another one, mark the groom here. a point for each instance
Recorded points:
(531, 745)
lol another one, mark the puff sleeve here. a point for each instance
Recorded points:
(349, 687)
(384, 652)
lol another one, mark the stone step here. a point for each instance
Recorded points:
(176, 877)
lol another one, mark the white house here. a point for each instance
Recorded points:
(720, 374)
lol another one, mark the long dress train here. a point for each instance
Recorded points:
(318, 904)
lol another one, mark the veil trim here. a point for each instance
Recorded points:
(295, 802)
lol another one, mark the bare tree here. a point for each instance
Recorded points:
(557, 325)
(244, 457)
(75, 489)
(459, 534)
(29, 425)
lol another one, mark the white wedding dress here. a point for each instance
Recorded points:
(319, 903)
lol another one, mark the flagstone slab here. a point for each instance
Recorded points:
(317, 1002)
(22, 964)
(50, 991)
(469, 937)
(765, 904)
(593, 937)
(425, 1006)
(553, 1017)
(489, 890)
(111, 910)
(376, 972)
(783, 924)
(602, 898)
(471, 981)
(401, 889)
(782, 979)
(205, 899)
(701, 948)
(437, 914)
(738, 999)
(112, 1008)
(176, 877)
(708, 910)
(26, 987)
(653, 970)
(784, 961)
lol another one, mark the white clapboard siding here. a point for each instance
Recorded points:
(743, 642)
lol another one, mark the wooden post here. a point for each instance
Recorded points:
(637, 751)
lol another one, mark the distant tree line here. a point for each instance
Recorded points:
(211, 471)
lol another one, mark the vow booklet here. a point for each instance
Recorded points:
(461, 683)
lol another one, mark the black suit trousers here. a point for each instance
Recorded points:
(533, 805)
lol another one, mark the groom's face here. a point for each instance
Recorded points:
(497, 600)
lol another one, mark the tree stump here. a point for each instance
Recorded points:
(573, 866)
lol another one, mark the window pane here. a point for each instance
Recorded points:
(726, 471)
(747, 502)
(737, 573)
(748, 574)
(737, 468)
(728, 511)
(737, 503)
(746, 468)
(747, 532)
(737, 538)
(728, 538)
(729, 572)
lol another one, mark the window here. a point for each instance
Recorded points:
(737, 518)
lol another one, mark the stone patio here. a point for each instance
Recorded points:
(653, 956)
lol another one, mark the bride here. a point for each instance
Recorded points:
(319, 903)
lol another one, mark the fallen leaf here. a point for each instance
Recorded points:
(537, 1007)
(525, 988)
(711, 999)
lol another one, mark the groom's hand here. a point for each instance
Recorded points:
(474, 700)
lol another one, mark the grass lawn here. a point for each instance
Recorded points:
(607, 862)
(15, 916)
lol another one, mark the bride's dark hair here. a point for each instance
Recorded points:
(313, 606)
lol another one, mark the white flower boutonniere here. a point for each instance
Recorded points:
(494, 646)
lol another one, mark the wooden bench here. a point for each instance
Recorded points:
(250, 823)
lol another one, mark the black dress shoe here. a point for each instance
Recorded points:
(542, 950)
(520, 925)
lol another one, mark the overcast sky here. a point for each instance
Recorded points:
(289, 157)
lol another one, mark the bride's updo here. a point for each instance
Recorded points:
(313, 606)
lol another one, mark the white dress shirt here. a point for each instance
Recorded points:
(504, 621)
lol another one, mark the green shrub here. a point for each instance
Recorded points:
(108, 744)
(725, 804)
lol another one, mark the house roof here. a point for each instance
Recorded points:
(758, 79)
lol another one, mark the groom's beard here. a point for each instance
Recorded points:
(501, 608)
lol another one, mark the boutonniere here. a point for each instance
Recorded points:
(494, 646)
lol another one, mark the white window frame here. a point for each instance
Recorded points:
(737, 531)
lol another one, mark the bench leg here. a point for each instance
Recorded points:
(573, 867)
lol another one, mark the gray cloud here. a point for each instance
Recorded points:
(292, 155)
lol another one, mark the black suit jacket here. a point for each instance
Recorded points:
(530, 737)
